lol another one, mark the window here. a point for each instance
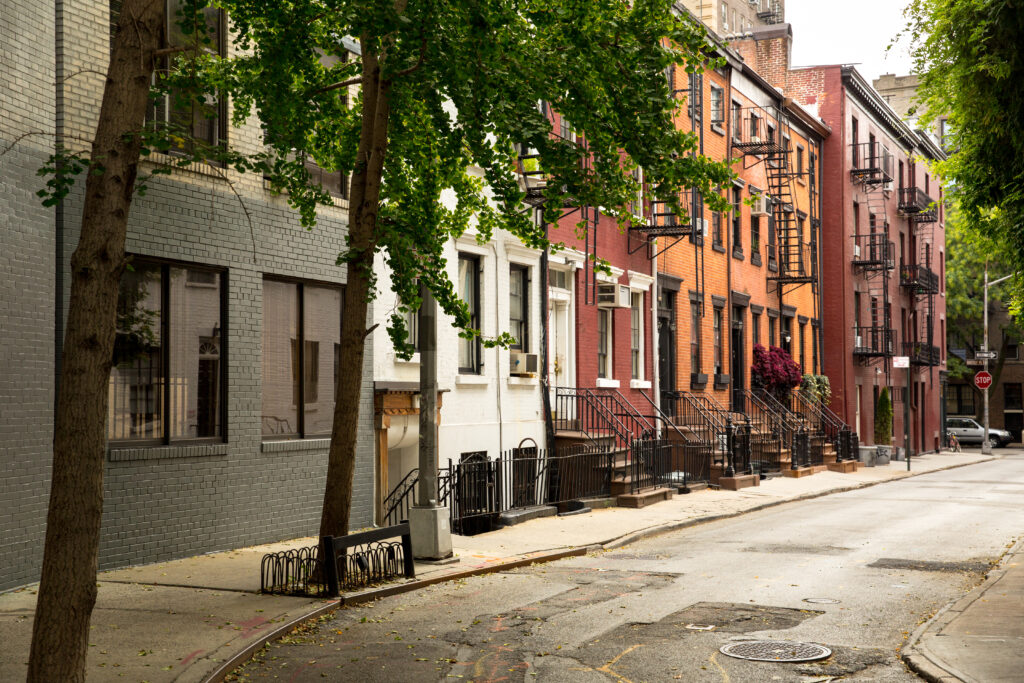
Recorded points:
(786, 337)
(717, 106)
(725, 17)
(814, 348)
(803, 347)
(167, 377)
(755, 329)
(694, 337)
(205, 121)
(960, 400)
(301, 349)
(737, 121)
(771, 331)
(1012, 396)
(604, 335)
(716, 228)
(800, 160)
(469, 290)
(1012, 349)
(718, 340)
(856, 219)
(737, 220)
(755, 235)
(636, 333)
(519, 306)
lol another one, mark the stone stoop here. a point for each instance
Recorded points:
(738, 482)
(843, 467)
(799, 472)
(644, 498)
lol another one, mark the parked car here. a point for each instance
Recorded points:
(968, 431)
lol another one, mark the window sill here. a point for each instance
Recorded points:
(606, 383)
(755, 258)
(639, 384)
(717, 128)
(197, 167)
(415, 360)
(522, 381)
(737, 254)
(293, 445)
(125, 454)
(698, 380)
(472, 380)
(718, 247)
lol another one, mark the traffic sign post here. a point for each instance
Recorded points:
(983, 380)
(986, 355)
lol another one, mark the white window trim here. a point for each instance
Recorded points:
(643, 340)
(613, 278)
(607, 383)
(611, 347)
(640, 282)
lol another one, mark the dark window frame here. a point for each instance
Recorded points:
(300, 363)
(524, 322)
(695, 337)
(474, 317)
(165, 438)
(605, 332)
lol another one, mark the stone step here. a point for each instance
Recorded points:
(644, 498)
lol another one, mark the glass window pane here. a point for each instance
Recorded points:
(322, 333)
(280, 358)
(136, 410)
(194, 353)
(468, 361)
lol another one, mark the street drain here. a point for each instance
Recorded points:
(775, 651)
(822, 601)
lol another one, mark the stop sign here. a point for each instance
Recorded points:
(983, 380)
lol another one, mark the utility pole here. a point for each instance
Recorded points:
(428, 522)
(986, 447)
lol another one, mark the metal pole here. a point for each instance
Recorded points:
(986, 447)
(428, 399)
(906, 420)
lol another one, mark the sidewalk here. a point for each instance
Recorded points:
(189, 620)
(979, 638)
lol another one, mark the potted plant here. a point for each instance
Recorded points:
(776, 371)
(883, 427)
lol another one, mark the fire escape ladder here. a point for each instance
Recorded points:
(874, 258)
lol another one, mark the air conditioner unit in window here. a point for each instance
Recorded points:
(887, 187)
(523, 364)
(762, 206)
(610, 295)
(858, 342)
(856, 251)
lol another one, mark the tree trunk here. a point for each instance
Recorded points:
(363, 208)
(67, 588)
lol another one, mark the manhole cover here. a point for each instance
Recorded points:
(775, 651)
(822, 601)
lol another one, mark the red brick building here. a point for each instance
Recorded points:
(883, 245)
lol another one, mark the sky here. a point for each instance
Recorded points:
(856, 31)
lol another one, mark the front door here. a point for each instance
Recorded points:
(737, 365)
(667, 350)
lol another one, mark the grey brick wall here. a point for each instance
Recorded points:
(166, 502)
(27, 108)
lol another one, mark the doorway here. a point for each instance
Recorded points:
(737, 365)
(667, 348)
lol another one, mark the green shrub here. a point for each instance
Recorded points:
(883, 419)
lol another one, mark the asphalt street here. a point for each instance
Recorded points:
(855, 572)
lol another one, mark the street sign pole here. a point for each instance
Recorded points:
(986, 447)
(904, 362)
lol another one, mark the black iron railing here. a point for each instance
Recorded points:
(922, 353)
(691, 458)
(873, 251)
(770, 433)
(872, 163)
(397, 504)
(914, 200)
(615, 404)
(919, 279)
(799, 449)
(874, 341)
(579, 410)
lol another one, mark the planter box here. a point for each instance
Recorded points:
(868, 454)
(883, 455)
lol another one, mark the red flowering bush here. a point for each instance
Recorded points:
(776, 371)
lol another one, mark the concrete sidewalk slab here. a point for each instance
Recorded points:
(980, 637)
(187, 620)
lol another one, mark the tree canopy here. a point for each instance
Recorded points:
(967, 53)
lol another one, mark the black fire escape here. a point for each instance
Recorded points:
(763, 134)
(769, 11)
(874, 254)
(918, 277)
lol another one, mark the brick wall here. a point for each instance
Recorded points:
(166, 502)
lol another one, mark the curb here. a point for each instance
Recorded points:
(229, 665)
(916, 655)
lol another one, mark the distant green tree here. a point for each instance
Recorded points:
(883, 418)
(968, 55)
(968, 251)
